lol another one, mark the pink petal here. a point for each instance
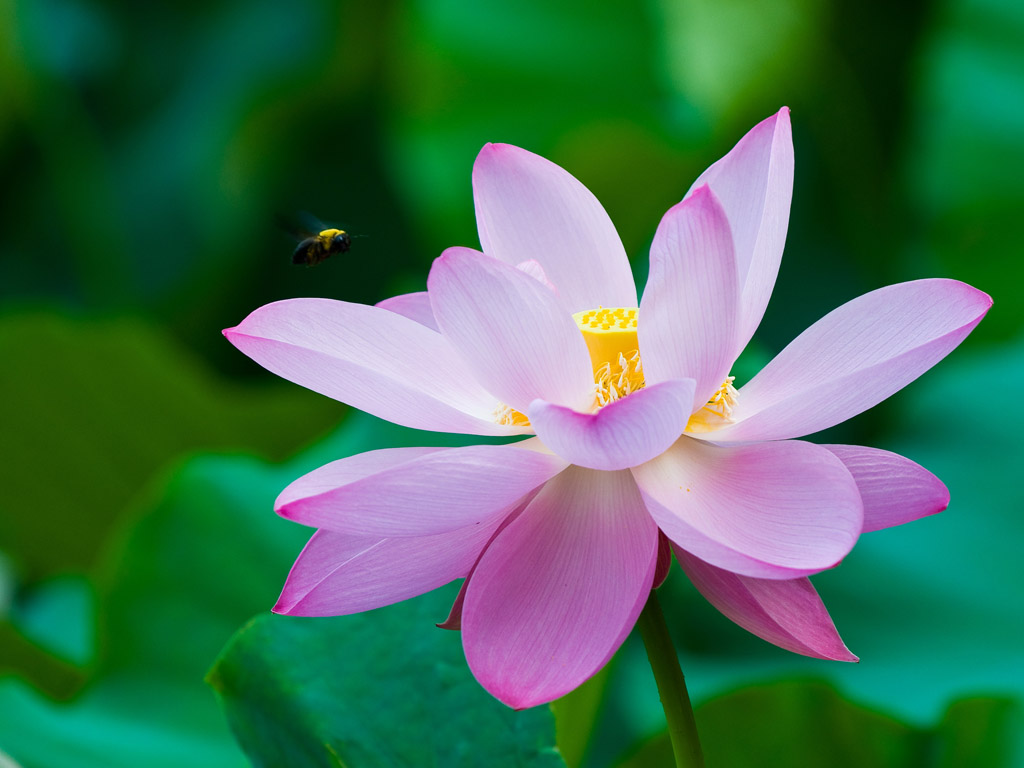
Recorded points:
(533, 268)
(454, 620)
(769, 510)
(689, 309)
(855, 357)
(415, 306)
(755, 184)
(374, 360)
(787, 613)
(559, 589)
(894, 489)
(620, 435)
(512, 331)
(338, 574)
(400, 492)
(529, 208)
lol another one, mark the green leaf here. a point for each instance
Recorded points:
(98, 408)
(981, 732)
(576, 716)
(808, 724)
(24, 656)
(802, 724)
(205, 554)
(46, 607)
(48, 635)
(384, 688)
(198, 556)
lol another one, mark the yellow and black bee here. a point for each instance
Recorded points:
(315, 248)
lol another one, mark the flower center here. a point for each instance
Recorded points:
(610, 334)
(614, 353)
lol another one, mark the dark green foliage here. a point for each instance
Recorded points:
(807, 725)
(382, 689)
(96, 409)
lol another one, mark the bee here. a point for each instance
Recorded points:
(315, 248)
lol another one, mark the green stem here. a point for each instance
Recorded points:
(682, 729)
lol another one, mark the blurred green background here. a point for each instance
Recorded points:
(147, 153)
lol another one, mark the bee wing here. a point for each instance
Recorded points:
(309, 223)
(295, 229)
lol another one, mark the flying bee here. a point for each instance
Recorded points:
(315, 248)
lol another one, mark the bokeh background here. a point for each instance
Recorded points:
(147, 153)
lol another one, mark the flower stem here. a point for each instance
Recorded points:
(682, 728)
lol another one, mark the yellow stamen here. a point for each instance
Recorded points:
(718, 412)
(611, 340)
(508, 416)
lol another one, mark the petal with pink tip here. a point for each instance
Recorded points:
(620, 435)
(855, 357)
(401, 492)
(895, 490)
(337, 574)
(786, 613)
(374, 360)
(768, 510)
(559, 589)
(415, 306)
(755, 184)
(529, 208)
(688, 313)
(516, 336)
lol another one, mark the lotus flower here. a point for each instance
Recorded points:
(639, 436)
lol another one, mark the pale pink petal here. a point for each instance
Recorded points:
(533, 268)
(769, 510)
(786, 613)
(415, 306)
(755, 184)
(338, 574)
(529, 208)
(374, 360)
(516, 336)
(894, 489)
(620, 435)
(559, 589)
(855, 357)
(402, 492)
(688, 313)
